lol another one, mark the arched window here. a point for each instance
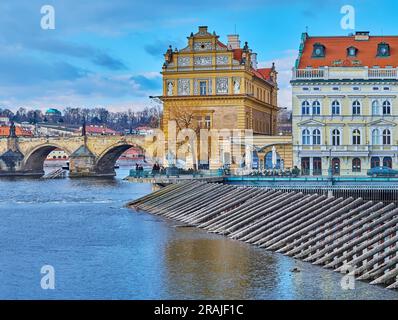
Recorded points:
(336, 138)
(386, 107)
(356, 137)
(387, 162)
(376, 137)
(386, 137)
(316, 108)
(305, 108)
(356, 108)
(335, 107)
(375, 108)
(375, 162)
(306, 137)
(356, 165)
(316, 137)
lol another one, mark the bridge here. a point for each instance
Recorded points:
(91, 156)
(88, 155)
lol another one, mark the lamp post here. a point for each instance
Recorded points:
(330, 164)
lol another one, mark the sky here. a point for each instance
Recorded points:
(110, 53)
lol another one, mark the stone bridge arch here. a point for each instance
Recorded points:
(34, 159)
(106, 160)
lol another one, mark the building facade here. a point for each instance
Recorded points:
(218, 86)
(345, 104)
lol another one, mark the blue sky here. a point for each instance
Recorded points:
(109, 53)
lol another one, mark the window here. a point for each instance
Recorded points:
(306, 137)
(203, 88)
(316, 137)
(316, 108)
(306, 89)
(335, 107)
(317, 166)
(336, 166)
(387, 162)
(386, 137)
(375, 88)
(336, 138)
(336, 89)
(356, 137)
(352, 52)
(376, 137)
(305, 166)
(375, 108)
(207, 122)
(317, 89)
(383, 49)
(375, 162)
(356, 88)
(356, 165)
(305, 108)
(386, 88)
(386, 107)
(318, 51)
(356, 108)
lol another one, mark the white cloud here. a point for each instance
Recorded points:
(284, 65)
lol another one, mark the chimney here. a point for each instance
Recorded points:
(362, 36)
(233, 41)
(253, 58)
(202, 29)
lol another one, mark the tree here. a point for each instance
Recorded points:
(184, 118)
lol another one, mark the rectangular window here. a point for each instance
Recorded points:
(317, 167)
(203, 88)
(208, 122)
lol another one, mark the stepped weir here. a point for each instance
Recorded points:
(348, 235)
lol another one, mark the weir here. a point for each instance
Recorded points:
(344, 234)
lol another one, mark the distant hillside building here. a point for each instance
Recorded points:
(20, 132)
(53, 115)
(93, 130)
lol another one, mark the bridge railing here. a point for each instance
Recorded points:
(175, 172)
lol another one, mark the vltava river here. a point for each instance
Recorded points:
(101, 250)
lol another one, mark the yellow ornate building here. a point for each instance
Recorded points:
(220, 85)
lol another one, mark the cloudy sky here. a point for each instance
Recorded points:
(109, 53)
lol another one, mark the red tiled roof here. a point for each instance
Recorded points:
(5, 131)
(238, 54)
(98, 130)
(265, 73)
(336, 49)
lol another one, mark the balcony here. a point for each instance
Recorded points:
(338, 73)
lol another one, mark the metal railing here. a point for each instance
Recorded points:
(345, 73)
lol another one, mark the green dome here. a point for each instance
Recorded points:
(53, 111)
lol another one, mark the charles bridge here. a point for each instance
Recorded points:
(88, 155)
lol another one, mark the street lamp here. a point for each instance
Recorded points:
(330, 164)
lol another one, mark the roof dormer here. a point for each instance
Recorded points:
(352, 51)
(383, 49)
(318, 50)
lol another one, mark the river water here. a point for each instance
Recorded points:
(101, 250)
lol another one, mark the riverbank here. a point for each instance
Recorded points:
(340, 234)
